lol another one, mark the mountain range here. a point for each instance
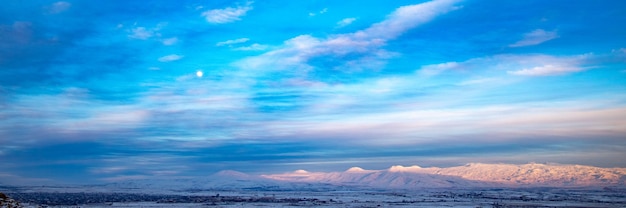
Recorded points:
(469, 175)
(472, 175)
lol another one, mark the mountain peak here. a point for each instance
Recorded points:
(400, 168)
(301, 171)
(355, 170)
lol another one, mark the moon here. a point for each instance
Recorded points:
(199, 73)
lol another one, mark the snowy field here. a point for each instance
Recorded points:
(422, 198)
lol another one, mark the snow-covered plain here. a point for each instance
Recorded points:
(544, 197)
(472, 185)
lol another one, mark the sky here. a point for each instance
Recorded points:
(95, 92)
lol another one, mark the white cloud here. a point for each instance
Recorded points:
(526, 65)
(171, 57)
(546, 70)
(115, 119)
(550, 65)
(367, 43)
(405, 18)
(345, 22)
(478, 81)
(231, 42)
(141, 33)
(413, 124)
(434, 69)
(253, 47)
(170, 41)
(535, 37)
(59, 7)
(228, 14)
(320, 12)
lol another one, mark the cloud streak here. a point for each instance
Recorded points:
(535, 37)
(549, 66)
(231, 42)
(59, 7)
(170, 58)
(361, 49)
(228, 14)
(345, 22)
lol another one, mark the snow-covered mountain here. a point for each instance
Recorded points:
(473, 175)
(470, 175)
(534, 174)
(378, 179)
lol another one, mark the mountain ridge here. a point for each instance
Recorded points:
(469, 175)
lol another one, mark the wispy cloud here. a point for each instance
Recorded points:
(619, 52)
(548, 66)
(59, 7)
(141, 33)
(169, 58)
(345, 22)
(320, 12)
(546, 70)
(364, 46)
(253, 47)
(231, 42)
(228, 14)
(535, 37)
(522, 64)
(170, 41)
(434, 69)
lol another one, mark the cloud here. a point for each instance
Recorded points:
(320, 12)
(619, 52)
(434, 69)
(535, 37)
(345, 22)
(253, 47)
(478, 81)
(228, 14)
(496, 123)
(231, 42)
(170, 41)
(141, 33)
(514, 64)
(352, 51)
(547, 70)
(405, 18)
(59, 7)
(550, 66)
(171, 57)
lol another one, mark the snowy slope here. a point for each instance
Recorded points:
(537, 174)
(378, 179)
(470, 175)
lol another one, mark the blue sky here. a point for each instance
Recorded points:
(99, 92)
